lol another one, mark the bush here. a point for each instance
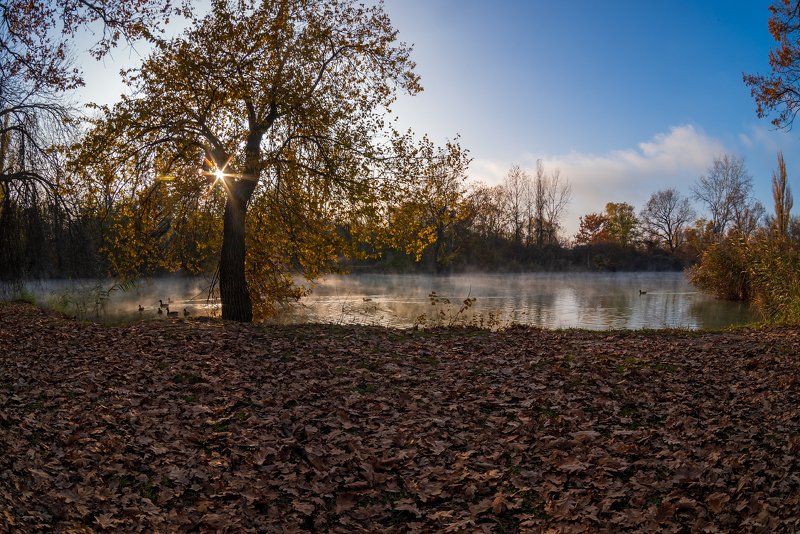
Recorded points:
(774, 268)
(764, 270)
(723, 271)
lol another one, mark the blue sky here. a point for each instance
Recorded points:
(624, 97)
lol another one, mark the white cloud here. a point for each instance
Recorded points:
(672, 159)
(767, 139)
(745, 140)
(488, 171)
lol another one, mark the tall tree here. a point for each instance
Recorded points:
(288, 95)
(665, 217)
(437, 203)
(593, 229)
(518, 209)
(36, 76)
(622, 224)
(782, 197)
(487, 206)
(557, 195)
(725, 192)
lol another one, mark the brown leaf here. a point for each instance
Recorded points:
(345, 501)
(303, 507)
(481, 507)
(106, 521)
(716, 501)
(572, 466)
(407, 505)
(499, 503)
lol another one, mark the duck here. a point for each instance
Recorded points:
(170, 313)
(160, 311)
(642, 292)
(162, 304)
(141, 308)
(186, 312)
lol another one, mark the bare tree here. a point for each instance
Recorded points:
(535, 205)
(518, 188)
(536, 220)
(558, 194)
(725, 191)
(665, 216)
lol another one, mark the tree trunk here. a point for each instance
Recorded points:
(233, 291)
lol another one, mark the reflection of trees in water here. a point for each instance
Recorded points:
(539, 299)
(543, 299)
(719, 314)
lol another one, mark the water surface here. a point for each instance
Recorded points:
(549, 300)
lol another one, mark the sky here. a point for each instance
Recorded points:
(624, 97)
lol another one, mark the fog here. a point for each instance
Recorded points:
(106, 301)
(548, 300)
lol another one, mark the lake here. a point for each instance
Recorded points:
(548, 300)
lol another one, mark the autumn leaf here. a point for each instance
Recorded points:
(106, 521)
(716, 501)
(274, 438)
(305, 508)
(499, 503)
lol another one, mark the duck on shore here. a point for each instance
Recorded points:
(141, 308)
(171, 313)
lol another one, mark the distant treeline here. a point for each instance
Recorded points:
(40, 239)
(502, 255)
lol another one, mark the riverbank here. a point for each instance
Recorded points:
(179, 425)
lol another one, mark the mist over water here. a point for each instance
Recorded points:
(548, 300)
(104, 301)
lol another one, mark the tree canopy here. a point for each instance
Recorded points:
(286, 102)
(778, 93)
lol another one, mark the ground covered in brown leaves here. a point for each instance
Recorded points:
(207, 426)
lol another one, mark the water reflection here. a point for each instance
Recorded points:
(548, 300)
(101, 300)
(580, 300)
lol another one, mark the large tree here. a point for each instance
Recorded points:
(782, 199)
(36, 77)
(430, 218)
(725, 192)
(36, 35)
(665, 217)
(286, 98)
(623, 226)
(519, 207)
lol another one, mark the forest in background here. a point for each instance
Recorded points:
(291, 137)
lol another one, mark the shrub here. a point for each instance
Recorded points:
(774, 269)
(723, 271)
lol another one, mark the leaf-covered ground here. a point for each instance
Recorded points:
(206, 426)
